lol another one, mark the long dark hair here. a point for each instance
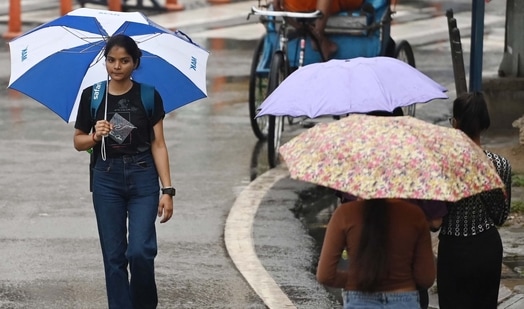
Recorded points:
(371, 256)
(396, 112)
(470, 110)
(126, 43)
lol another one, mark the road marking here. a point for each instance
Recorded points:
(238, 236)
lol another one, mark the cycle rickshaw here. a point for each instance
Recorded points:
(286, 47)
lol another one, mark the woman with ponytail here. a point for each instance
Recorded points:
(470, 248)
(389, 248)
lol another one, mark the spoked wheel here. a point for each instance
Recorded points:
(291, 120)
(276, 126)
(277, 73)
(258, 82)
(404, 52)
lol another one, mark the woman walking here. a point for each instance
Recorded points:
(470, 248)
(126, 192)
(389, 247)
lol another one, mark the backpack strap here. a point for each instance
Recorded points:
(97, 96)
(147, 93)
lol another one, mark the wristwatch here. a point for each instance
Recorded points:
(169, 190)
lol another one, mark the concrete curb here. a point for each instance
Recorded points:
(238, 237)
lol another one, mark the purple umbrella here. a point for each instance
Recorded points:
(359, 85)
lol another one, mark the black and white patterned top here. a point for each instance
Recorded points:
(478, 213)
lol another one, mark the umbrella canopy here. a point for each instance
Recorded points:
(359, 85)
(391, 157)
(54, 62)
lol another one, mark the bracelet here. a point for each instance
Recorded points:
(93, 138)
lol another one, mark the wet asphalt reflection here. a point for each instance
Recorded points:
(314, 209)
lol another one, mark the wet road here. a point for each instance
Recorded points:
(48, 240)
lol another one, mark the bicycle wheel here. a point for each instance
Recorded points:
(276, 126)
(404, 52)
(258, 82)
(277, 73)
(290, 120)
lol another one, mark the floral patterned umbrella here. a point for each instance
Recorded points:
(390, 157)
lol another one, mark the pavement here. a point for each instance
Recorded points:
(255, 203)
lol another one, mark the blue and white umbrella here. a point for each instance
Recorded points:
(54, 62)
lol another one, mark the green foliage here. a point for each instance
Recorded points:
(517, 180)
(517, 207)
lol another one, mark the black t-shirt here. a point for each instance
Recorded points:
(129, 106)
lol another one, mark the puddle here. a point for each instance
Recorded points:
(11, 295)
(314, 208)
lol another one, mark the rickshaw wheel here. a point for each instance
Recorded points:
(277, 73)
(276, 126)
(404, 52)
(258, 82)
(291, 120)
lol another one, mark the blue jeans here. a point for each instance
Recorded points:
(383, 300)
(126, 191)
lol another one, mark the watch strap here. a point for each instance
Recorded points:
(169, 190)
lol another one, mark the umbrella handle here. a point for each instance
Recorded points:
(103, 146)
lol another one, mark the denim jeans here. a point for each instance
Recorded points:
(383, 300)
(126, 191)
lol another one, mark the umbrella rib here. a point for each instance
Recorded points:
(149, 38)
(123, 31)
(84, 38)
(96, 61)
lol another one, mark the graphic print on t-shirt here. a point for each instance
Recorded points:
(121, 121)
(121, 128)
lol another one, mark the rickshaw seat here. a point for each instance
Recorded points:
(357, 22)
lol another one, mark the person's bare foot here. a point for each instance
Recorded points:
(327, 47)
